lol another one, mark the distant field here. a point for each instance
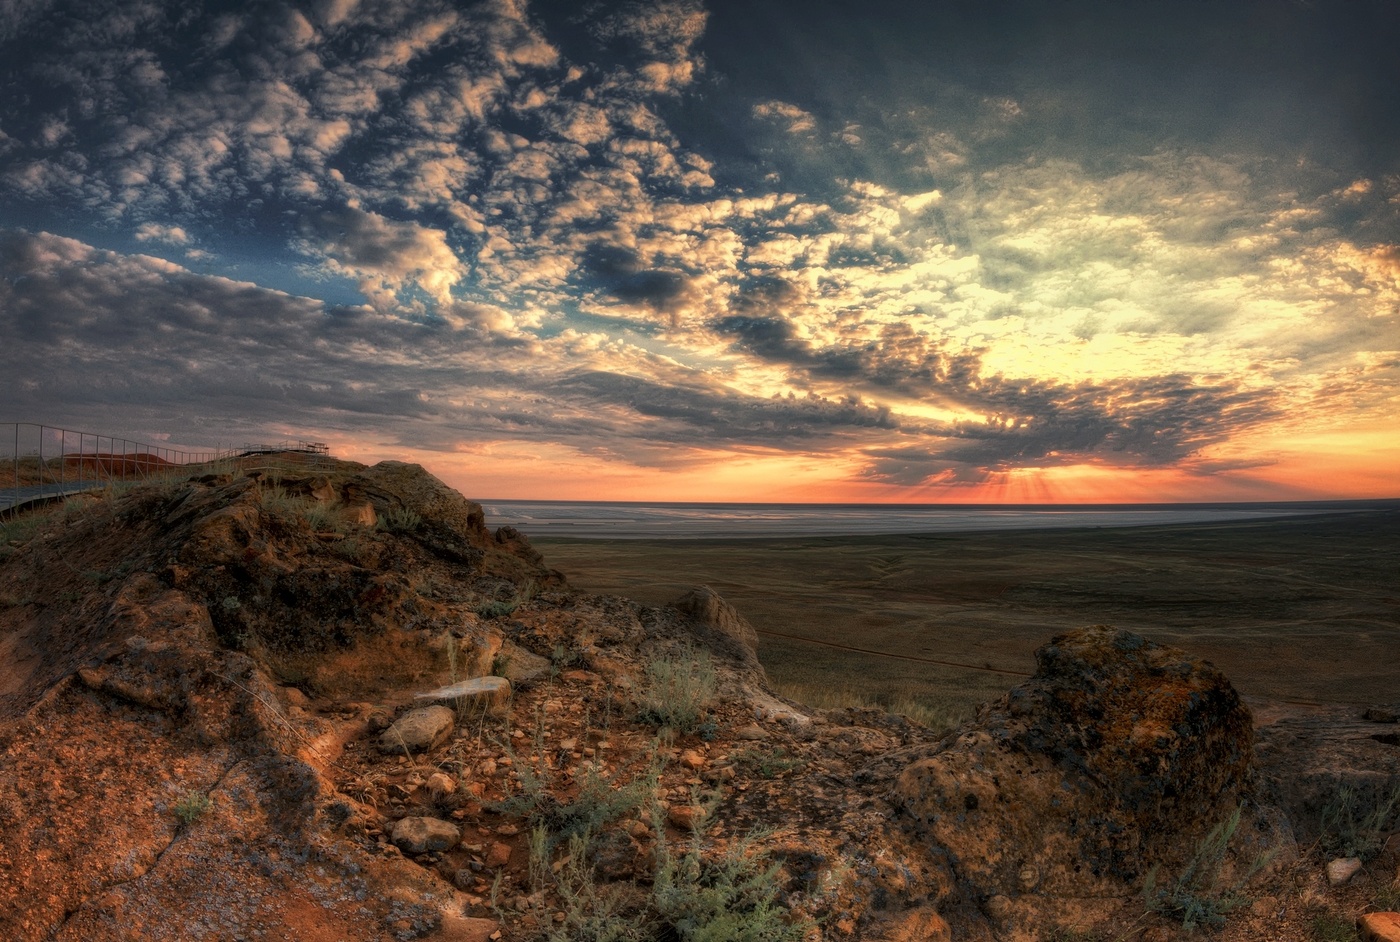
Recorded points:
(1296, 608)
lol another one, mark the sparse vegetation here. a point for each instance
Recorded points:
(1329, 927)
(499, 608)
(191, 806)
(766, 763)
(676, 690)
(933, 712)
(693, 897)
(1196, 896)
(1353, 826)
(400, 520)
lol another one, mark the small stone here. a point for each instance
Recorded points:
(692, 759)
(418, 835)
(686, 817)
(751, 733)
(1342, 869)
(418, 730)
(498, 855)
(441, 784)
(507, 830)
(1380, 927)
(1028, 878)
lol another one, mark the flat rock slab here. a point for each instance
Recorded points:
(418, 730)
(493, 692)
(424, 835)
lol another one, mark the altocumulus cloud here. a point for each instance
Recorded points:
(620, 231)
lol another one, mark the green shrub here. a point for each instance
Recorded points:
(400, 520)
(731, 898)
(676, 690)
(766, 763)
(191, 807)
(1196, 896)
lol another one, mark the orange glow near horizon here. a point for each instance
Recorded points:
(509, 471)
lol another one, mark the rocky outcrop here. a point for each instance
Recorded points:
(1117, 755)
(722, 628)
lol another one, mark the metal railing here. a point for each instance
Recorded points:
(47, 461)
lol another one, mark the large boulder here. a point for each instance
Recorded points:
(1117, 755)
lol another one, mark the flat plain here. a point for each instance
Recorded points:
(1303, 609)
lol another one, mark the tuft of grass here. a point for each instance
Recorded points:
(597, 801)
(676, 690)
(766, 763)
(1328, 927)
(935, 713)
(729, 898)
(191, 806)
(693, 897)
(496, 608)
(399, 520)
(1196, 897)
(1351, 826)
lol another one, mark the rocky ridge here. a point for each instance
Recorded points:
(330, 703)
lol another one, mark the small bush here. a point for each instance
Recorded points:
(191, 807)
(766, 763)
(495, 609)
(400, 520)
(731, 898)
(676, 690)
(1196, 896)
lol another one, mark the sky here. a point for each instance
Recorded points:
(744, 250)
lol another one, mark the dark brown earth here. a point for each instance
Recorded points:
(1297, 609)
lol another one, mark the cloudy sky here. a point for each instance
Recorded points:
(893, 250)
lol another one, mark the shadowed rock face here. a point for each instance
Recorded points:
(1116, 755)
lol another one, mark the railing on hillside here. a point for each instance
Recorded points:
(47, 461)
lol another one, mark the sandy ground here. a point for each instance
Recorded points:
(1304, 608)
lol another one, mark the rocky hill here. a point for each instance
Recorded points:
(331, 704)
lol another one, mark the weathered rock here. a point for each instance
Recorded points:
(490, 693)
(1380, 927)
(1311, 758)
(921, 925)
(522, 667)
(1118, 754)
(440, 785)
(1342, 869)
(498, 855)
(418, 835)
(722, 626)
(686, 817)
(418, 730)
